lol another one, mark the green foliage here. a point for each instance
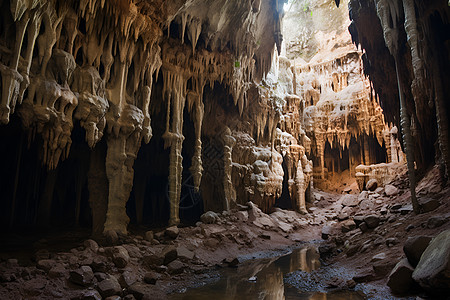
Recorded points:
(237, 64)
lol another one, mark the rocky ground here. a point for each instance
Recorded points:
(361, 233)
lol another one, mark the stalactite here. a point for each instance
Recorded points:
(418, 91)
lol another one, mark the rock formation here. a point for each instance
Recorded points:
(341, 114)
(389, 32)
(106, 68)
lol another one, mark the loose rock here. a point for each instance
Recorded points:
(372, 185)
(400, 280)
(434, 265)
(172, 232)
(414, 248)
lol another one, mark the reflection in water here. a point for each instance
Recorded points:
(234, 283)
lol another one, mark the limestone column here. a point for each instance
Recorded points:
(301, 188)
(229, 141)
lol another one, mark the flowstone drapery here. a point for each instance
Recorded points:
(94, 66)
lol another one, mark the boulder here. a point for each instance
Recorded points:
(149, 236)
(428, 204)
(46, 264)
(326, 231)
(209, 217)
(151, 277)
(142, 290)
(400, 280)
(90, 295)
(363, 227)
(120, 257)
(109, 287)
(170, 254)
(172, 232)
(390, 190)
(372, 185)
(91, 245)
(432, 271)
(348, 225)
(363, 196)
(372, 221)
(128, 278)
(184, 253)
(414, 247)
(436, 221)
(175, 267)
(57, 271)
(82, 276)
(350, 200)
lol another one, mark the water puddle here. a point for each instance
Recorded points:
(264, 279)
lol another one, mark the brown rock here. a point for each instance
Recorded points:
(175, 267)
(172, 232)
(82, 276)
(372, 185)
(400, 280)
(372, 221)
(151, 277)
(149, 236)
(46, 264)
(414, 247)
(348, 225)
(432, 271)
(170, 254)
(428, 204)
(109, 287)
(120, 257)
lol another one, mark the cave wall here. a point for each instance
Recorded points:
(342, 117)
(414, 35)
(112, 84)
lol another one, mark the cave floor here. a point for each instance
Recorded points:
(70, 266)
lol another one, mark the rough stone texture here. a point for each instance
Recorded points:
(350, 200)
(427, 204)
(172, 232)
(348, 225)
(372, 221)
(434, 265)
(109, 287)
(209, 217)
(414, 248)
(400, 280)
(120, 257)
(390, 190)
(82, 276)
(372, 184)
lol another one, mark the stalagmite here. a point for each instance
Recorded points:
(228, 141)
(199, 110)
(92, 65)
(301, 188)
(175, 93)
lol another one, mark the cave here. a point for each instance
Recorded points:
(225, 148)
